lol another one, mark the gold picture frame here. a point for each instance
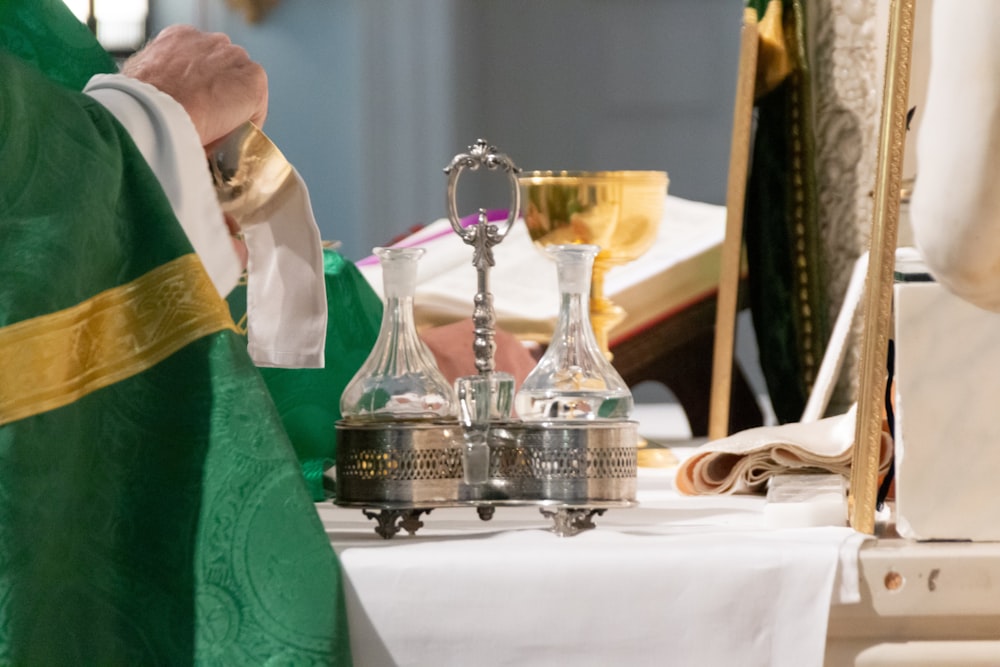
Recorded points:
(877, 301)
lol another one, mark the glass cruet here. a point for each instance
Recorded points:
(400, 379)
(573, 380)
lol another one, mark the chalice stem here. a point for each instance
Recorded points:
(605, 315)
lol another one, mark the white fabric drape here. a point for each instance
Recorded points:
(674, 581)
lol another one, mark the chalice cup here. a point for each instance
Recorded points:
(619, 211)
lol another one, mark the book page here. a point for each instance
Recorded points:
(680, 268)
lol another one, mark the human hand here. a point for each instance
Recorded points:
(452, 348)
(215, 81)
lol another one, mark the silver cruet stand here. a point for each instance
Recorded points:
(396, 471)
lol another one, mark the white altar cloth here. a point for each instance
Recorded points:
(675, 581)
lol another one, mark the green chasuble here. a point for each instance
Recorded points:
(308, 399)
(151, 505)
(45, 34)
(786, 281)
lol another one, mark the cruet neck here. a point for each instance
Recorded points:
(574, 265)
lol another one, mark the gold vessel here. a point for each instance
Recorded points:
(249, 172)
(619, 211)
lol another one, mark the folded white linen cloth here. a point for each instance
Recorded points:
(286, 290)
(744, 461)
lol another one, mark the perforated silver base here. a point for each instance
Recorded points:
(561, 466)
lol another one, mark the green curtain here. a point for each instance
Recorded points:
(160, 518)
(786, 276)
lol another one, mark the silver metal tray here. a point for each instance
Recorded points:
(570, 470)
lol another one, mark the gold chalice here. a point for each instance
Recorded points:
(619, 211)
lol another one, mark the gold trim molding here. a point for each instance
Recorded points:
(881, 265)
(52, 360)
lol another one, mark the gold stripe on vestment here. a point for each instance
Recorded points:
(49, 361)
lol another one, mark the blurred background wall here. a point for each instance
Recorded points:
(370, 99)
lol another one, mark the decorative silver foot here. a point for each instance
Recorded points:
(391, 521)
(568, 521)
(485, 512)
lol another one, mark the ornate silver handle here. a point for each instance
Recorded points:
(482, 236)
(488, 394)
(481, 154)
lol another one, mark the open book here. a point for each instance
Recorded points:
(681, 268)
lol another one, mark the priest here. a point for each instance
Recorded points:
(151, 505)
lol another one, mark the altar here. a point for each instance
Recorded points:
(674, 581)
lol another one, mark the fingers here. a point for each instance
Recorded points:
(216, 81)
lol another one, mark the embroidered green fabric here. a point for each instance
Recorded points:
(786, 277)
(308, 399)
(46, 35)
(162, 519)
